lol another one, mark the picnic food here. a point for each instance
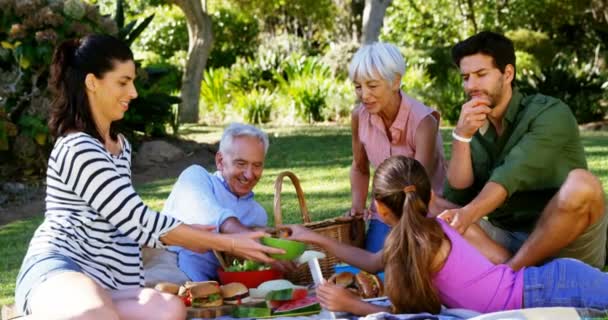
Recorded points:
(299, 306)
(247, 265)
(205, 294)
(167, 287)
(369, 284)
(234, 293)
(263, 289)
(250, 279)
(363, 284)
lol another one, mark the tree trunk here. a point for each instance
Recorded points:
(200, 41)
(373, 18)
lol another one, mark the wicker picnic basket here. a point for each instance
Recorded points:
(350, 230)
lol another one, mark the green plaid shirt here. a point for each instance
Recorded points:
(539, 146)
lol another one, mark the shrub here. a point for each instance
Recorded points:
(235, 35)
(255, 106)
(215, 95)
(152, 111)
(338, 57)
(307, 81)
(29, 30)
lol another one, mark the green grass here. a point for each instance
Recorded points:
(319, 155)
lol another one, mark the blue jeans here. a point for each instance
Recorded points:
(376, 233)
(565, 283)
(35, 270)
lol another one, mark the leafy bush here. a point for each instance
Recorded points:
(152, 111)
(29, 30)
(580, 85)
(235, 35)
(339, 101)
(338, 57)
(575, 78)
(255, 106)
(167, 34)
(215, 95)
(307, 81)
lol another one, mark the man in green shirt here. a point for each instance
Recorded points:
(519, 161)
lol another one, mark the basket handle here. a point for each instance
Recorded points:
(278, 184)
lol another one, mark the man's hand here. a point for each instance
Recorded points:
(457, 219)
(336, 298)
(246, 245)
(473, 115)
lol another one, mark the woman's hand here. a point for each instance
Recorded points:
(336, 298)
(246, 245)
(365, 213)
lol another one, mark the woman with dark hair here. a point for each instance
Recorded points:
(84, 261)
(427, 263)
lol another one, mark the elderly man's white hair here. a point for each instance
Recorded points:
(378, 57)
(239, 130)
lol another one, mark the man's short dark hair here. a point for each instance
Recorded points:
(495, 45)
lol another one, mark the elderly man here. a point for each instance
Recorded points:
(223, 200)
(519, 161)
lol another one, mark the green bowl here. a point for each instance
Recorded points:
(293, 249)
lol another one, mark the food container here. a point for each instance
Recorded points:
(251, 279)
(293, 249)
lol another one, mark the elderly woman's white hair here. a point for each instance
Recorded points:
(378, 57)
(239, 130)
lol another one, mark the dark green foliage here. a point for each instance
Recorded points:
(235, 35)
(152, 111)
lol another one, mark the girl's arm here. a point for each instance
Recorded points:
(365, 260)
(491, 249)
(336, 298)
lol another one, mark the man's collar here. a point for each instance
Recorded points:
(219, 175)
(513, 107)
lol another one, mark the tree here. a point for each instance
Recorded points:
(373, 17)
(200, 42)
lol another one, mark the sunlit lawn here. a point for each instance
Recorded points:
(318, 155)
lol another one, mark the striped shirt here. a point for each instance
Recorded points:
(93, 214)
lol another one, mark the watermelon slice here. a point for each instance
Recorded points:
(307, 304)
(255, 311)
(286, 294)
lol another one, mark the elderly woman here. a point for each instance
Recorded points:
(386, 123)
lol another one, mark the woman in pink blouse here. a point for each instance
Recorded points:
(386, 123)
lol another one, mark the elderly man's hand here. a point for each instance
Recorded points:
(457, 219)
(246, 245)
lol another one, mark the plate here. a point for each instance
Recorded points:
(376, 299)
(307, 313)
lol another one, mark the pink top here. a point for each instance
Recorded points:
(379, 147)
(469, 280)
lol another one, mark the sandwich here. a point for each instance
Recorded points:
(363, 284)
(205, 294)
(234, 293)
(167, 287)
(369, 285)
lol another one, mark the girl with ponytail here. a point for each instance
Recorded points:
(84, 261)
(428, 264)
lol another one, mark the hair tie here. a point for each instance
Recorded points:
(410, 188)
